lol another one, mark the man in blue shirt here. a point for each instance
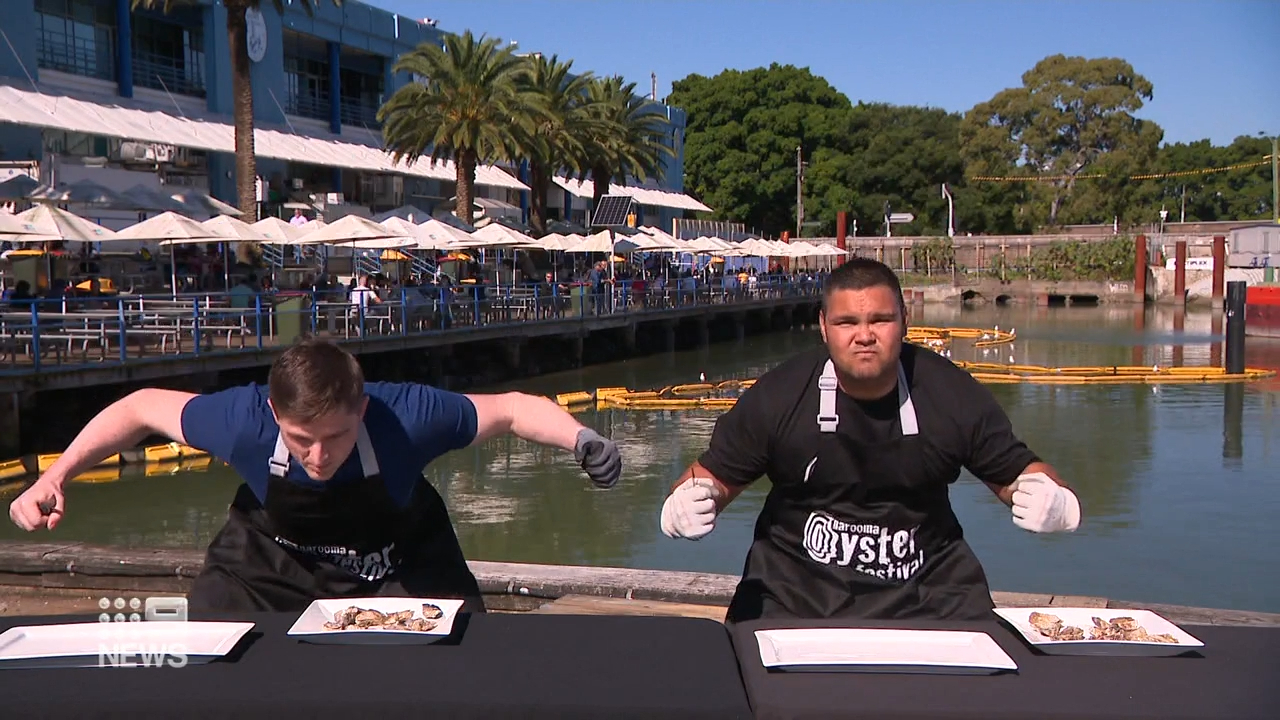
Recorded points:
(333, 502)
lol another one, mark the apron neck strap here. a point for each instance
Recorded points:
(829, 385)
(278, 464)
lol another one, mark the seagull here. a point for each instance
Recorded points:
(702, 377)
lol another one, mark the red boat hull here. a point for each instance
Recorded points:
(1262, 311)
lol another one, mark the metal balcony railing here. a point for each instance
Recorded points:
(95, 58)
(308, 105)
(358, 113)
(166, 72)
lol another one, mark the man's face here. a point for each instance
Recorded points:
(863, 330)
(323, 444)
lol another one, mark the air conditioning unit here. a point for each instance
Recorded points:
(138, 152)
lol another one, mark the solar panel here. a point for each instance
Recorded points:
(612, 211)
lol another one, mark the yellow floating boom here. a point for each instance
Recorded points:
(717, 395)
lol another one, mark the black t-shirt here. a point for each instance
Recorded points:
(773, 430)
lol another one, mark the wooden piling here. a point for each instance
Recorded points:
(1140, 269)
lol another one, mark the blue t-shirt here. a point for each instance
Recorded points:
(409, 426)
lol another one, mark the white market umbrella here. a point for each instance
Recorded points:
(443, 235)
(176, 229)
(603, 242)
(357, 232)
(278, 232)
(48, 222)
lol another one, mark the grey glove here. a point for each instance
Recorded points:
(599, 457)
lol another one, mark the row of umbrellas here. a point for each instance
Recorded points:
(44, 223)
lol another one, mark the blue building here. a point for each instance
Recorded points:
(91, 89)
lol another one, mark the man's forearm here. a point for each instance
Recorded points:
(538, 419)
(117, 428)
(1005, 493)
(724, 493)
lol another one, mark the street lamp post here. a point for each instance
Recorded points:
(951, 213)
(1275, 181)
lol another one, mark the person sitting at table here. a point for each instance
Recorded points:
(861, 438)
(334, 502)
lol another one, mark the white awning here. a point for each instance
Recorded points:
(643, 195)
(26, 107)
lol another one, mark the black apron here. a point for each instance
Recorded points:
(868, 533)
(348, 539)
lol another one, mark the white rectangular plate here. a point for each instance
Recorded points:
(123, 644)
(882, 650)
(1082, 618)
(310, 624)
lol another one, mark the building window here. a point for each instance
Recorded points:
(306, 68)
(76, 36)
(361, 97)
(167, 56)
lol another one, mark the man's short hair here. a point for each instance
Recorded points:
(859, 274)
(315, 378)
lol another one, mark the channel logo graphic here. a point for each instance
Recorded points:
(163, 609)
(139, 654)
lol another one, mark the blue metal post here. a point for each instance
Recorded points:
(124, 48)
(315, 313)
(404, 311)
(257, 318)
(195, 323)
(35, 335)
(124, 335)
(335, 87)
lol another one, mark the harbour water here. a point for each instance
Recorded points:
(1180, 484)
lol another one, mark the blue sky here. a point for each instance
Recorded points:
(1208, 60)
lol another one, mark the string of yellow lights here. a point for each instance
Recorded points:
(1099, 176)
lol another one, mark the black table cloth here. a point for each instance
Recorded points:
(496, 666)
(1236, 675)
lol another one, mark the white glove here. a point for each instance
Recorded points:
(1042, 505)
(690, 510)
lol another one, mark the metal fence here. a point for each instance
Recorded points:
(37, 335)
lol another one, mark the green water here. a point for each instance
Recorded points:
(1180, 484)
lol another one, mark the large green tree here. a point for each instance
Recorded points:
(1237, 194)
(743, 130)
(474, 105)
(1073, 116)
(886, 153)
(241, 89)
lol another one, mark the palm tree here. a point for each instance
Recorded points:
(558, 141)
(473, 104)
(241, 89)
(626, 138)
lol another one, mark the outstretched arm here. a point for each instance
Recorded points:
(121, 426)
(540, 420)
(532, 417)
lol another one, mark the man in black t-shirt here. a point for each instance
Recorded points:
(861, 439)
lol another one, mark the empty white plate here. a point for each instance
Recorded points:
(310, 624)
(882, 650)
(119, 644)
(1020, 619)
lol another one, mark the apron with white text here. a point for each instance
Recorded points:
(867, 533)
(346, 539)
